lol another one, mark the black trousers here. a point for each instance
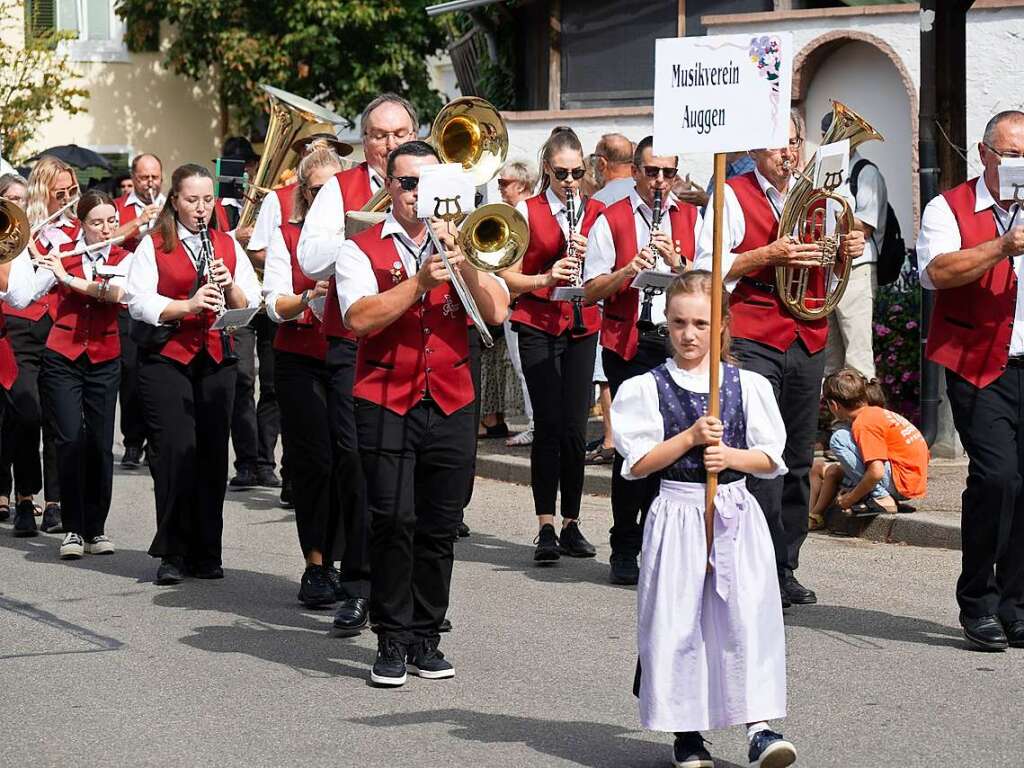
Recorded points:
(990, 422)
(559, 372)
(630, 498)
(349, 482)
(417, 469)
(133, 425)
(475, 361)
(255, 426)
(188, 421)
(82, 399)
(796, 376)
(303, 384)
(26, 417)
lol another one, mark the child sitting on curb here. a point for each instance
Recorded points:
(882, 457)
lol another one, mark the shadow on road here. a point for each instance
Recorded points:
(594, 745)
(842, 620)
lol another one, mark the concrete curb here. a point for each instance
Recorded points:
(918, 529)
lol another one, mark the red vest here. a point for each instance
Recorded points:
(126, 213)
(177, 276)
(85, 325)
(426, 349)
(48, 303)
(355, 192)
(304, 335)
(756, 313)
(547, 245)
(286, 199)
(621, 310)
(972, 325)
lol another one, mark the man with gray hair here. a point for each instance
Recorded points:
(969, 251)
(387, 122)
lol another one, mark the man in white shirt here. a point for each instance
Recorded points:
(969, 251)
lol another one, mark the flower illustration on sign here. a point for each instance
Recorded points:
(766, 53)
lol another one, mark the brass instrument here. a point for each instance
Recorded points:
(804, 217)
(14, 231)
(494, 237)
(290, 116)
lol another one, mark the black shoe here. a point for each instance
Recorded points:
(462, 530)
(985, 633)
(426, 661)
(623, 570)
(25, 519)
(244, 480)
(1015, 633)
(352, 615)
(170, 571)
(52, 522)
(786, 603)
(389, 668)
(689, 751)
(572, 542)
(769, 750)
(547, 545)
(286, 495)
(211, 571)
(445, 626)
(315, 588)
(267, 478)
(334, 576)
(797, 593)
(132, 458)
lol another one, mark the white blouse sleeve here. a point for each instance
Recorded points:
(277, 274)
(637, 424)
(323, 232)
(732, 235)
(267, 222)
(245, 276)
(766, 432)
(20, 282)
(144, 303)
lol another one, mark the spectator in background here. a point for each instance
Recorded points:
(612, 162)
(14, 188)
(516, 181)
(850, 326)
(123, 185)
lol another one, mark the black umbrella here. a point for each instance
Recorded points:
(76, 156)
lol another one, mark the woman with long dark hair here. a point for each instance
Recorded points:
(182, 276)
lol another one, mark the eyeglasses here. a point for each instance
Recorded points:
(380, 137)
(563, 173)
(61, 195)
(409, 183)
(1009, 153)
(652, 171)
(794, 143)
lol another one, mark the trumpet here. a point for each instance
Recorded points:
(578, 326)
(645, 322)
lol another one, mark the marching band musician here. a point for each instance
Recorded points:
(387, 122)
(415, 415)
(767, 339)
(632, 345)
(51, 187)
(557, 358)
(186, 374)
(969, 252)
(81, 371)
(302, 382)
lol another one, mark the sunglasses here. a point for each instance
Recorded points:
(504, 183)
(65, 194)
(563, 173)
(408, 183)
(652, 171)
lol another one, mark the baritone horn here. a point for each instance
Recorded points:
(804, 217)
(14, 231)
(494, 237)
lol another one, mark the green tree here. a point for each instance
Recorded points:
(338, 52)
(36, 80)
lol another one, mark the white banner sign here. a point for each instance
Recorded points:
(722, 93)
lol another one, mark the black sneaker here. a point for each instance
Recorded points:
(769, 750)
(572, 542)
(286, 495)
(547, 545)
(52, 522)
(426, 661)
(25, 519)
(170, 571)
(623, 570)
(315, 588)
(389, 668)
(797, 593)
(5, 512)
(132, 458)
(267, 478)
(689, 752)
(244, 480)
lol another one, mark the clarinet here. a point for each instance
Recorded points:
(578, 326)
(645, 323)
(204, 236)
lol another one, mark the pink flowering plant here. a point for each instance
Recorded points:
(897, 344)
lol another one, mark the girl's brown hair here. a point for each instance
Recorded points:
(167, 221)
(562, 137)
(852, 389)
(699, 281)
(90, 199)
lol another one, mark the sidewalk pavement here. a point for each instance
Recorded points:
(935, 521)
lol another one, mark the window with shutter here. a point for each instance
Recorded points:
(40, 19)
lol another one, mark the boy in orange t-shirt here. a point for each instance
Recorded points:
(883, 458)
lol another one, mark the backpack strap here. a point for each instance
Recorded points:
(855, 174)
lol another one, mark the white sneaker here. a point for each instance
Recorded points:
(99, 545)
(72, 548)
(522, 439)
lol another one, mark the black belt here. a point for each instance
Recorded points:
(1017, 361)
(758, 284)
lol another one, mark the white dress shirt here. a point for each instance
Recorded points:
(871, 206)
(45, 280)
(133, 200)
(615, 190)
(53, 235)
(323, 231)
(600, 258)
(267, 222)
(20, 282)
(939, 234)
(558, 211)
(146, 305)
(277, 275)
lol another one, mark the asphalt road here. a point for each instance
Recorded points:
(98, 666)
